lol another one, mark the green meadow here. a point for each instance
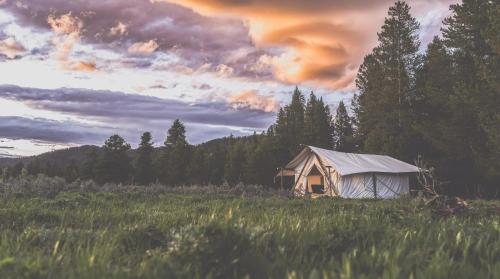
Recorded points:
(144, 235)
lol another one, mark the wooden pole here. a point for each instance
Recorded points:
(300, 174)
(281, 178)
(374, 177)
(330, 180)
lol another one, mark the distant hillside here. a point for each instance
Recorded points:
(63, 157)
(57, 157)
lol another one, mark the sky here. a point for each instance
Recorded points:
(76, 72)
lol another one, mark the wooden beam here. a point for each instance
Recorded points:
(326, 173)
(305, 164)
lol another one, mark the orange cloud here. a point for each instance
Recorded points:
(67, 30)
(143, 47)
(10, 48)
(82, 66)
(324, 41)
(252, 100)
(119, 29)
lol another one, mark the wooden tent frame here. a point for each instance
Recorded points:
(331, 186)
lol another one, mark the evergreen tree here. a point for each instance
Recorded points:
(144, 173)
(217, 164)
(261, 163)
(176, 134)
(324, 128)
(71, 172)
(310, 120)
(114, 163)
(472, 39)
(235, 164)
(16, 169)
(317, 123)
(89, 165)
(289, 128)
(343, 139)
(176, 155)
(198, 169)
(34, 167)
(386, 81)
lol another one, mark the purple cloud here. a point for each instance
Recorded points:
(128, 114)
(140, 26)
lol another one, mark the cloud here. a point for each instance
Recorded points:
(324, 40)
(43, 129)
(65, 24)
(203, 86)
(6, 147)
(67, 29)
(224, 70)
(252, 100)
(143, 47)
(114, 24)
(134, 113)
(319, 42)
(10, 48)
(119, 29)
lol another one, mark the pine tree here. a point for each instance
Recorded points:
(217, 164)
(89, 165)
(324, 128)
(261, 163)
(317, 123)
(471, 37)
(144, 173)
(198, 169)
(176, 134)
(235, 164)
(289, 127)
(343, 131)
(310, 121)
(386, 81)
(34, 167)
(114, 163)
(71, 172)
(176, 154)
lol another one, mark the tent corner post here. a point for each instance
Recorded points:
(374, 178)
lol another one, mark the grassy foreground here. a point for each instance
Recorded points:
(134, 235)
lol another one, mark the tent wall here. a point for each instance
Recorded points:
(392, 185)
(356, 186)
(360, 186)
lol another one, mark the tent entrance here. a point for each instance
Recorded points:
(315, 181)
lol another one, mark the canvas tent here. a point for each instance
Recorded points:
(326, 172)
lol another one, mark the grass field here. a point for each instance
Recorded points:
(139, 235)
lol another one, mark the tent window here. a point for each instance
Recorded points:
(314, 171)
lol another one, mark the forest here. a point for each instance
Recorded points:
(439, 104)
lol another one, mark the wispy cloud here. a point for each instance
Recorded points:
(11, 48)
(132, 113)
(143, 47)
(67, 29)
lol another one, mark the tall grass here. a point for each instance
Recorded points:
(168, 235)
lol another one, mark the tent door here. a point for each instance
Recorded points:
(315, 181)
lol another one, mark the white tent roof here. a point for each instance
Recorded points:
(351, 163)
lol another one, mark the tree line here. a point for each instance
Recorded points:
(442, 105)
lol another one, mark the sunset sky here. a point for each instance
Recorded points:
(76, 72)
